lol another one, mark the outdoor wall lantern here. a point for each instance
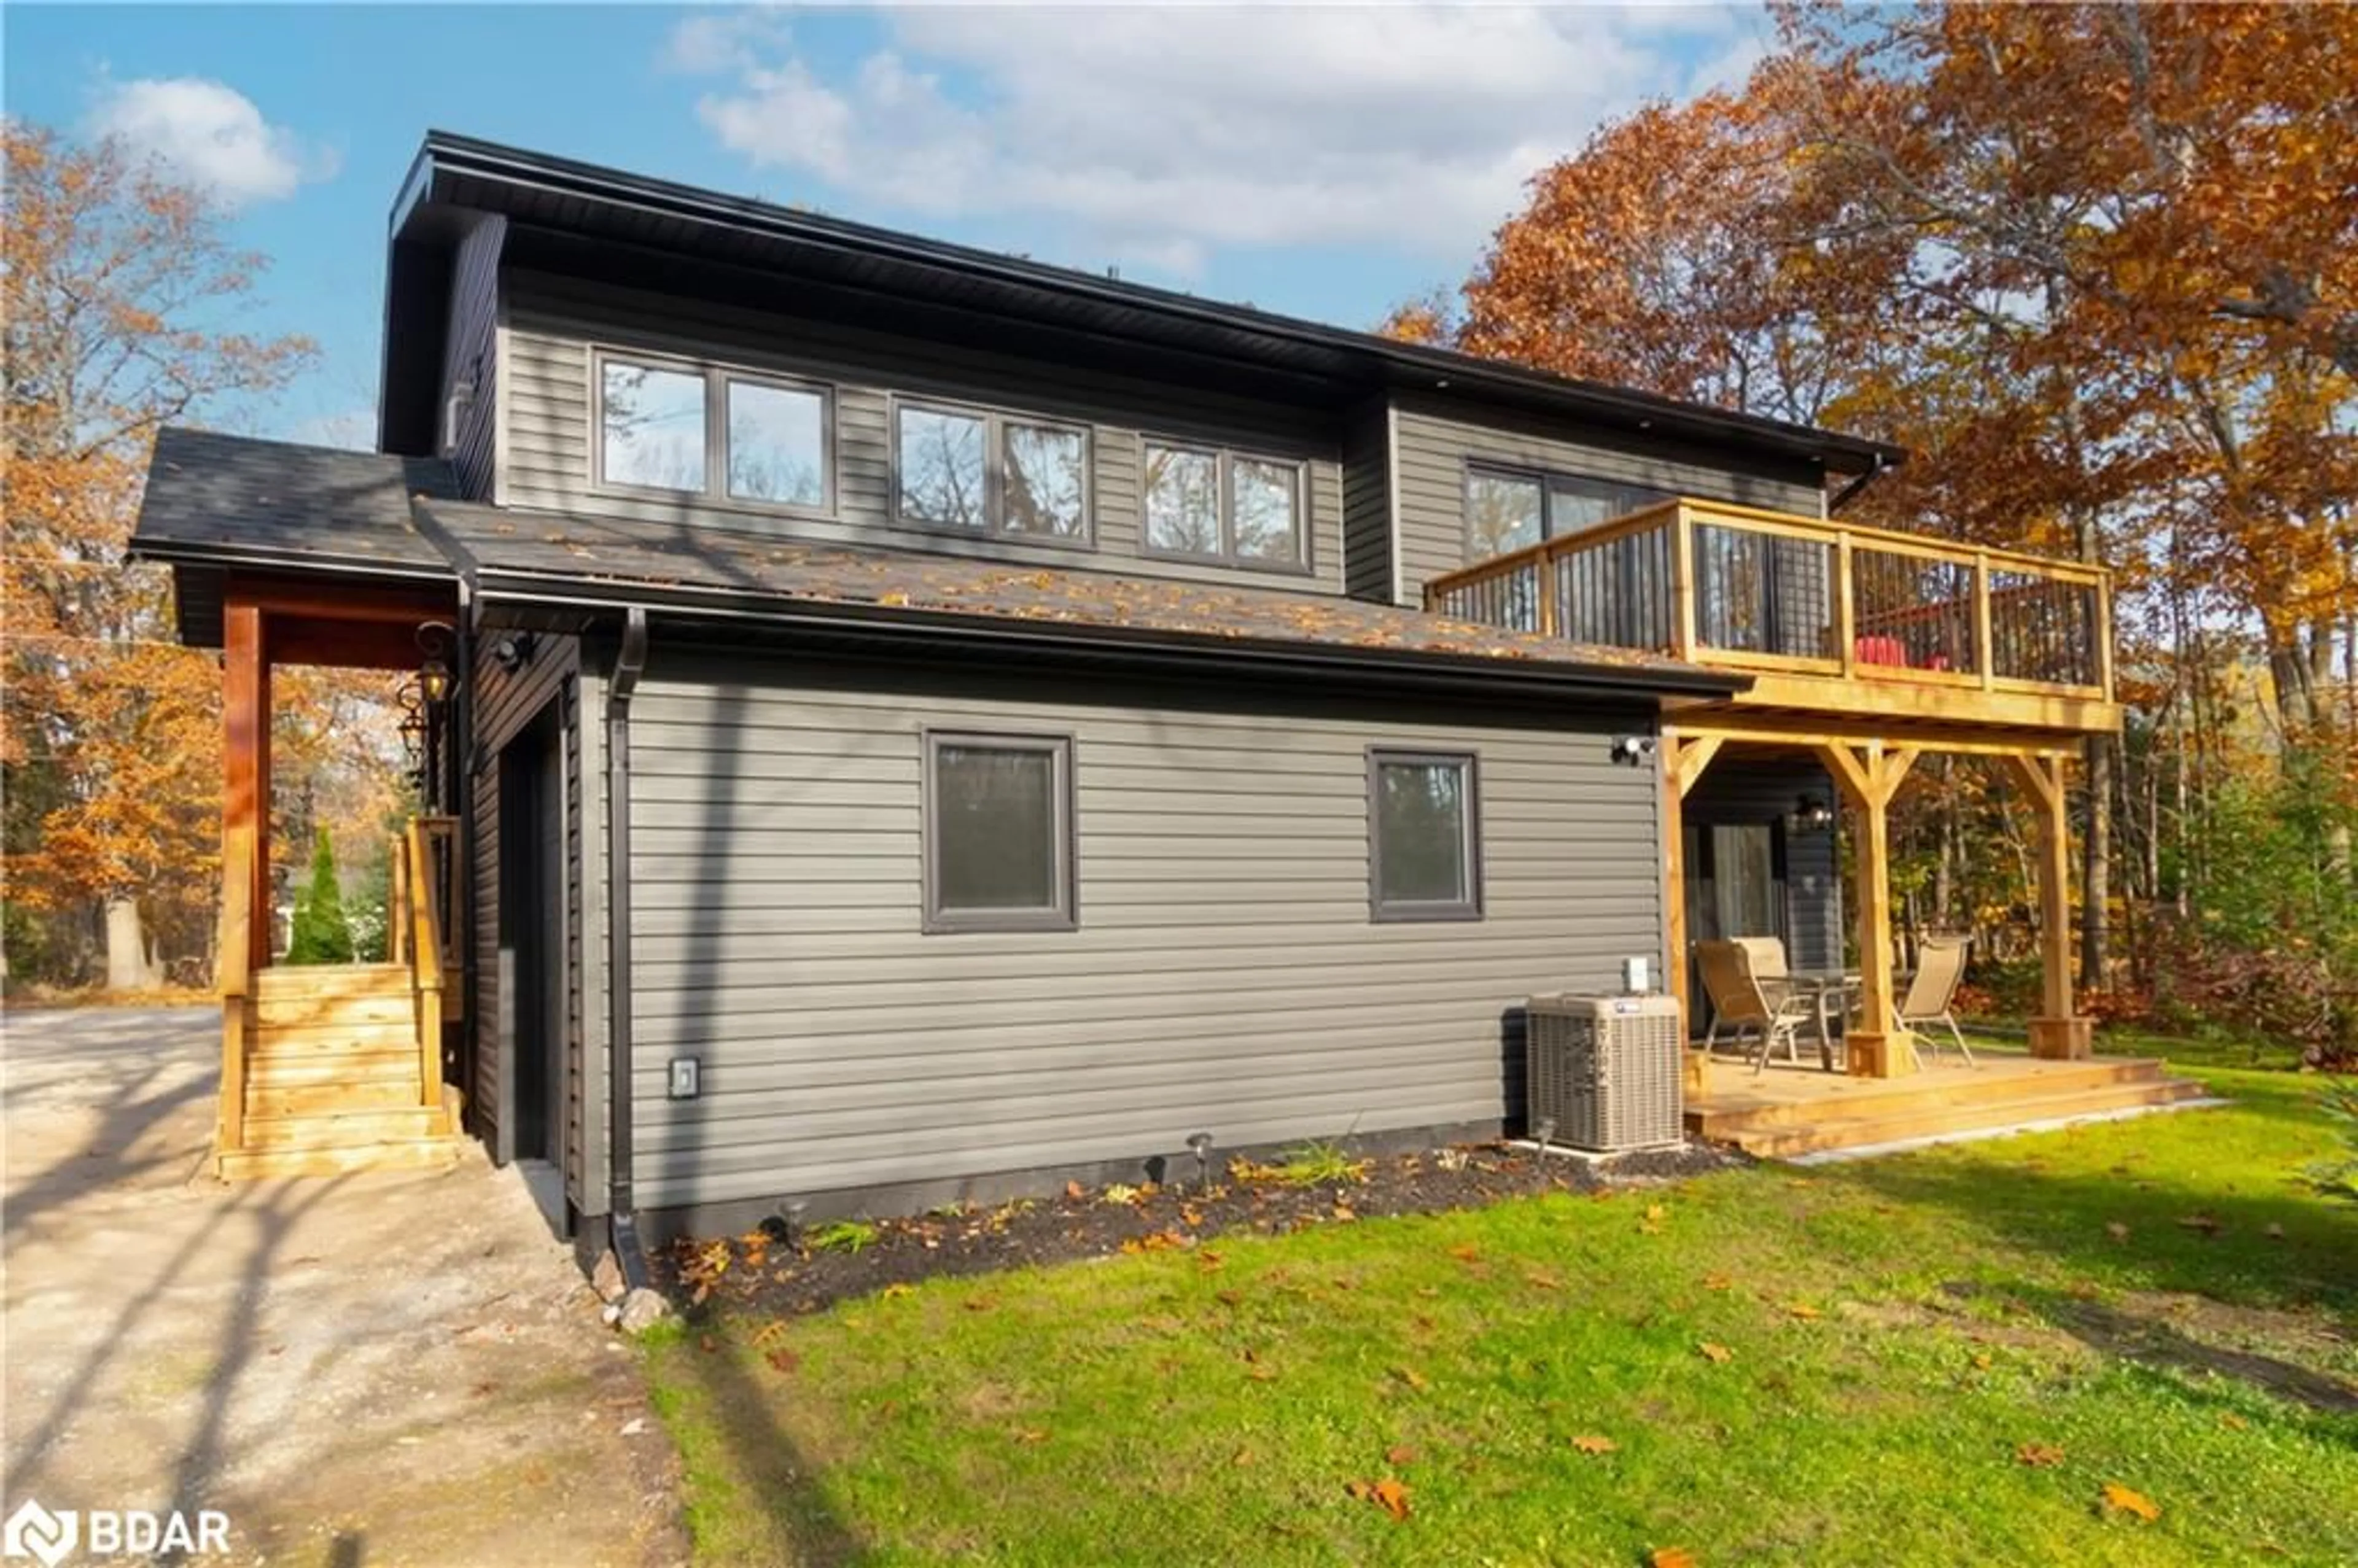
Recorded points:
(1812, 815)
(434, 678)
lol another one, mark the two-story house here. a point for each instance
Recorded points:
(909, 722)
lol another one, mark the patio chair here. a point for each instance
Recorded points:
(1939, 966)
(1746, 1003)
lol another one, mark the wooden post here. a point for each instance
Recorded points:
(2058, 1033)
(1875, 1049)
(245, 802)
(1985, 661)
(1683, 760)
(1846, 606)
(1682, 585)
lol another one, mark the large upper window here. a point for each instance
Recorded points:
(1224, 506)
(1423, 836)
(721, 434)
(1508, 509)
(999, 832)
(999, 473)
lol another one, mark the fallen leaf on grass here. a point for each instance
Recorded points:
(1209, 1259)
(1387, 1494)
(1715, 1352)
(1031, 1435)
(1590, 1443)
(2274, 1231)
(1671, 1557)
(1804, 1310)
(899, 1289)
(2121, 1500)
(1541, 1280)
(1465, 1252)
(1232, 1297)
(1982, 1363)
(2206, 1223)
(707, 1343)
(1400, 1453)
(1413, 1377)
(2233, 1422)
(1345, 1212)
(2039, 1455)
(2116, 1230)
(981, 1303)
(1717, 1282)
(783, 1361)
(1244, 1457)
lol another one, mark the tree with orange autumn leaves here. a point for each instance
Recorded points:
(122, 298)
(2097, 269)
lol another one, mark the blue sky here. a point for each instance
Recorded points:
(1324, 162)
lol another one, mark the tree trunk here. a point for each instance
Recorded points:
(130, 966)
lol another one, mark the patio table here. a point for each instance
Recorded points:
(1825, 987)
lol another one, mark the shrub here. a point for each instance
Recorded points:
(322, 934)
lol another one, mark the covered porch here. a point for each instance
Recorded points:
(1868, 651)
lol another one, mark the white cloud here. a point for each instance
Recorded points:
(210, 135)
(1160, 131)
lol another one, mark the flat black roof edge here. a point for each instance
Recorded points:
(444, 149)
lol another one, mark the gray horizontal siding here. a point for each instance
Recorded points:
(1367, 505)
(1436, 438)
(1224, 977)
(554, 322)
(470, 354)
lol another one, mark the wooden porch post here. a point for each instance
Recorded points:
(1868, 780)
(2058, 1033)
(1684, 760)
(245, 719)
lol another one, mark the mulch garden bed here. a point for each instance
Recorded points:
(779, 1272)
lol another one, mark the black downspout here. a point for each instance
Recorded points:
(622, 1223)
(1843, 497)
(464, 749)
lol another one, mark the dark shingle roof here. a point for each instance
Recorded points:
(222, 499)
(524, 553)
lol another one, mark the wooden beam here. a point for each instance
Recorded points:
(1914, 695)
(1812, 729)
(356, 601)
(245, 797)
(1686, 756)
(1850, 775)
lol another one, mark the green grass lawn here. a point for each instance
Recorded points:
(1837, 1365)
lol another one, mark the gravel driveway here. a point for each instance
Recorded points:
(400, 1367)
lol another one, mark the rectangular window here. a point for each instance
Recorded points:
(999, 843)
(777, 444)
(1223, 506)
(725, 434)
(944, 474)
(651, 427)
(983, 472)
(1265, 499)
(1182, 502)
(1509, 509)
(1047, 483)
(1423, 836)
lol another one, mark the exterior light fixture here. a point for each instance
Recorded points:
(1201, 1143)
(1811, 816)
(435, 681)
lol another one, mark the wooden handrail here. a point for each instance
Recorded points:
(234, 976)
(425, 960)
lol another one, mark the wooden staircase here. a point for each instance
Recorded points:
(1861, 1113)
(338, 1068)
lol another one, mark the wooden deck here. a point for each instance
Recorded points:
(1788, 1110)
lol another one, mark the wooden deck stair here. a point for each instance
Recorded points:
(1785, 1113)
(332, 1075)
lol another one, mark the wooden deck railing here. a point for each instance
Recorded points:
(233, 977)
(1778, 595)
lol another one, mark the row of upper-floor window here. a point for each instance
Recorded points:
(758, 441)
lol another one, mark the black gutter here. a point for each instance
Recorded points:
(622, 1220)
(1842, 497)
(1397, 668)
